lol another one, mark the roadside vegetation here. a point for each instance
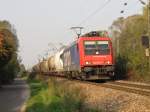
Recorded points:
(9, 61)
(55, 96)
(131, 61)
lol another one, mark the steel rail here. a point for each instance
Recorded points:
(143, 90)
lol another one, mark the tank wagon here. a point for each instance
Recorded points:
(55, 63)
(36, 68)
(89, 57)
(44, 68)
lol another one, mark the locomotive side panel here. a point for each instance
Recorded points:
(75, 61)
(71, 58)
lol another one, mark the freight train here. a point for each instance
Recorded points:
(89, 57)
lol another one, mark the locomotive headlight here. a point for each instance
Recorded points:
(87, 63)
(108, 62)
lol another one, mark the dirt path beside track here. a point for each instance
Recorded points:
(13, 96)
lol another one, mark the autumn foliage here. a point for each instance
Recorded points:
(9, 64)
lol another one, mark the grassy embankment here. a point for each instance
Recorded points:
(55, 97)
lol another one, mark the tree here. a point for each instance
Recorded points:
(9, 64)
(129, 31)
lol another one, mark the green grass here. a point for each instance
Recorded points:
(55, 97)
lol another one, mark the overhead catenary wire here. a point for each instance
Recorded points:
(95, 12)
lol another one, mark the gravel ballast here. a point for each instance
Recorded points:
(111, 100)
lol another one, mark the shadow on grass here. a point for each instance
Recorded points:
(37, 107)
(57, 106)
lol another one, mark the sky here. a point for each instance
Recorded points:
(43, 23)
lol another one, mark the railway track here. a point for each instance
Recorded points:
(137, 88)
(127, 86)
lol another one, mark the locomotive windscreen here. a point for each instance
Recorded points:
(96, 48)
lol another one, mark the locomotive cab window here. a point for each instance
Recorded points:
(96, 48)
